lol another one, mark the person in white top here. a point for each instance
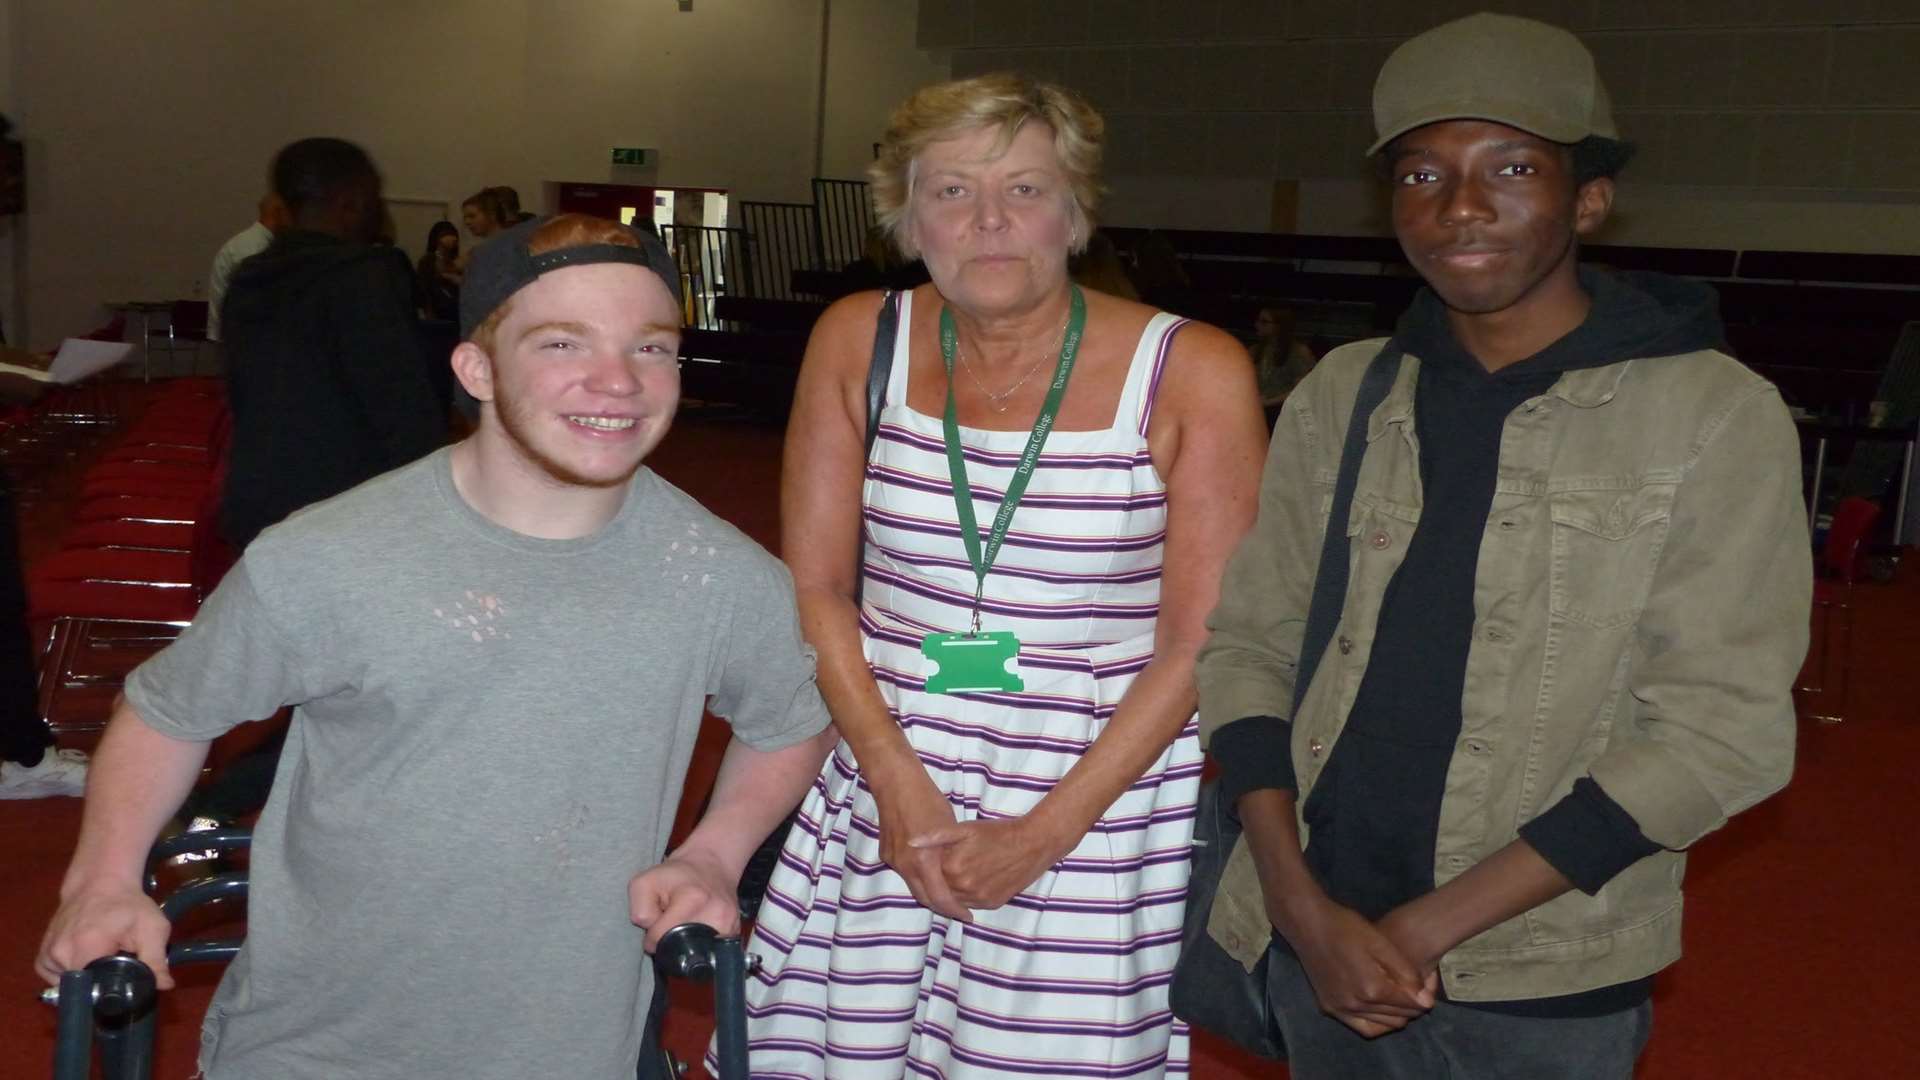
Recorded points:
(251, 240)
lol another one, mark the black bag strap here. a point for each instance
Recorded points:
(881, 367)
(1330, 580)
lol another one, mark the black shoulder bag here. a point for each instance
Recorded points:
(1211, 990)
(880, 368)
(759, 869)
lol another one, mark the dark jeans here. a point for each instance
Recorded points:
(1452, 1042)
(24, 739)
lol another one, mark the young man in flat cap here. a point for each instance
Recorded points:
(498, 657)
(1577, 597)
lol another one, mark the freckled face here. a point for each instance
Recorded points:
(585, 374)
(1489, 214)
(994, 232)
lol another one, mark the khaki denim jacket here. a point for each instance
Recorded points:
(1641, 608)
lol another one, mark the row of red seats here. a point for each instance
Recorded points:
(140, 552)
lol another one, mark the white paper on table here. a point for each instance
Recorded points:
(78, 359)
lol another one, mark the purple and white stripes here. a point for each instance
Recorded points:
(1069, 979)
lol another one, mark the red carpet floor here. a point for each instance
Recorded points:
(1801, 915)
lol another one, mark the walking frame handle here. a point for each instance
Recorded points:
(698, 952)
(111, 1000)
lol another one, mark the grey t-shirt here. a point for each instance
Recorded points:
(489, 740)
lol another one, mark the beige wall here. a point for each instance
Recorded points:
(871, 67)
(1763, 123)
(149, 123)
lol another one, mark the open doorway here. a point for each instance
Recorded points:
(704, 208)
(666, 207)
(692, 222)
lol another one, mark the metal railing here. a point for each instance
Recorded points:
(774, 239)
(845, 213)
(712, 262)
(781, 238)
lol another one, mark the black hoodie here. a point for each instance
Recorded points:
(1374, 815)
(325, 374)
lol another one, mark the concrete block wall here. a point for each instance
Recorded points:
(1791, 99)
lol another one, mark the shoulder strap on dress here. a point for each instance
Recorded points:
(1143, 376)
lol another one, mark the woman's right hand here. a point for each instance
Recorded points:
(910, 805)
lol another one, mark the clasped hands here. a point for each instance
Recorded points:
(1372, 977)
(957, 867)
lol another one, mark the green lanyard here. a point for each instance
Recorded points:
(1017, 486)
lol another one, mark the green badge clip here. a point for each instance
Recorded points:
(972, 662)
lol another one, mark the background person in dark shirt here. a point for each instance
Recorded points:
(326, 377)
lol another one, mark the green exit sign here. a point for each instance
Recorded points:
(632, 155)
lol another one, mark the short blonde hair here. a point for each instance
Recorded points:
(1002, 100)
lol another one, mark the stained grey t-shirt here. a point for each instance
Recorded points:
(488, 743)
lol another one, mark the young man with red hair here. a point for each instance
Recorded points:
(498, 657)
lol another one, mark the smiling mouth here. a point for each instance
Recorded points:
(603, 423)
(1468, 256)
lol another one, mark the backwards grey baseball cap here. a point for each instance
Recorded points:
(502, 265)
(1513, 71)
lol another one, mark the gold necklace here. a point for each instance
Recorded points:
(999, 402)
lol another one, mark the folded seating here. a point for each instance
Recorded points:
(176, 510)
(155, 487)
(168, 569)
(140, 540)
(152, 535)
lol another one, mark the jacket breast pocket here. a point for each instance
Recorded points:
(1606, 544)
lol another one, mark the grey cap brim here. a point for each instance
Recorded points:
(1530, 119)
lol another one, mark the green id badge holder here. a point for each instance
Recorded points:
(971, 662)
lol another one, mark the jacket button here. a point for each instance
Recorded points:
(1508, 524)
(1498, 634)
(1346, 646)
(1314, 746)
(1381, 541)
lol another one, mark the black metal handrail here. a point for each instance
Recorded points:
(845, 212)
(781, 237)
(712, 262)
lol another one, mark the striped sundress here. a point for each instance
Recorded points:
(1069, 978)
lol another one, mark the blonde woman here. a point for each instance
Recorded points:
(989, 875)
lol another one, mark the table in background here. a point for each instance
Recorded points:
(146, 310)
